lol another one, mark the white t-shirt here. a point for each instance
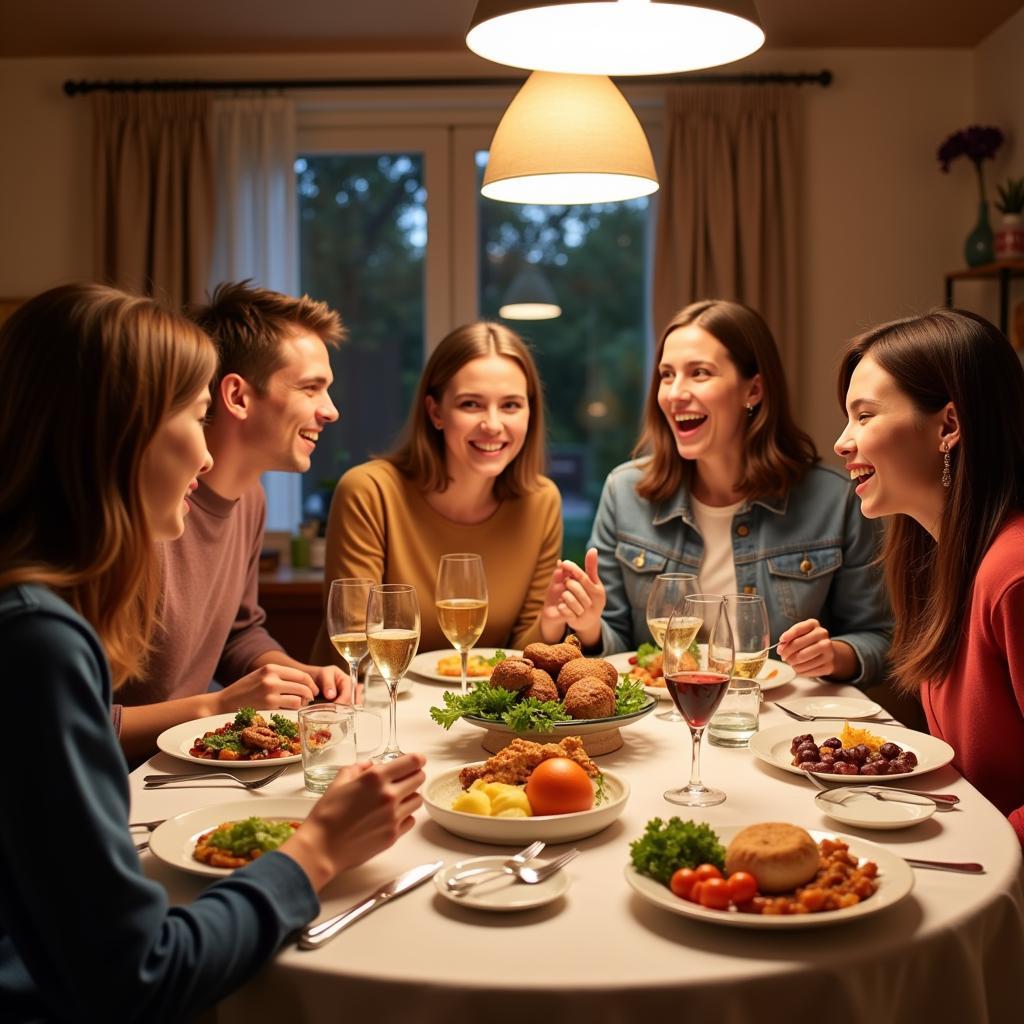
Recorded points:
(717, 574)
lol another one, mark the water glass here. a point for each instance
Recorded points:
(327, 733)
(736, 719)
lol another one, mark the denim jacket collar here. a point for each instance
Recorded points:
(679, 506)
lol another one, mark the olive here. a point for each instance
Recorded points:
(822, 766)
(800, 741)
(909, 757)
(807, 766)
(889, 750)
(840, 755)
(859, 753)
(882, 766)
(834, 742)
(844, 768)
(808, 748)
(869, 769)
(873, 757)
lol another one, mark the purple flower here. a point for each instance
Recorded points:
(977, 143)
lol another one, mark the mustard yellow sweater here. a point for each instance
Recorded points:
(381, 527)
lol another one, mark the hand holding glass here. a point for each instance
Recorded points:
(667, 594)
(393, 634)
(460, 596)
(346, 623)
(327, 735)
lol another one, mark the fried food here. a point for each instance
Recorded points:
(587, 668)
(261, 737)
(589, 698)
(477, 667)
(542, 686)
(514, 763)
(551, 657)
(779, 855)
(513, 674)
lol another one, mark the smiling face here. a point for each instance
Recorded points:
(891, 448)
(171, 466)
(702, 394)
(485, 415)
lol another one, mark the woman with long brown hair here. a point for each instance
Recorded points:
(465, 476)
(935, 437)
(727, 487)
(104, 395)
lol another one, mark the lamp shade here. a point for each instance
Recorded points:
(568, 139)
(530, 297)
(615, 37)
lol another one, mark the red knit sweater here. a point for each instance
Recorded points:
(979, 708)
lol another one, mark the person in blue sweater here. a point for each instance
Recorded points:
(104, 396)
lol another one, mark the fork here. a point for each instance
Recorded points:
(827, 718)
(466, 879)
(158, 781)
(531, 876)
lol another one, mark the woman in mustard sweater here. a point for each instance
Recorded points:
(466, 476)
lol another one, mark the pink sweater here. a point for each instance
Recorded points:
(979, 707)
(212, 623)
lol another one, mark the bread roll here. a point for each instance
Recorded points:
(778, 855)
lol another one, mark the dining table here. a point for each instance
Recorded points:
(952, 949)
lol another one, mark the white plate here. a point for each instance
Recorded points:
(179, 739)
(774, 674)
(896, 879)
(573, 727)
(502, 893)
(425, 664)
(865, 811)
(833, 707)
(174, 840)
(772, 746)
(440, 791)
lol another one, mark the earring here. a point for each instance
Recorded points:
(750, 410)
(947, 478)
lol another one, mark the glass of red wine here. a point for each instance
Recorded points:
(697, 688)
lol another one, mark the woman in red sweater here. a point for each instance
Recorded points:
(935, 437)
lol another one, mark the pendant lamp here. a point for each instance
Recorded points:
(615, 37)
(530, 297)
(568, 139)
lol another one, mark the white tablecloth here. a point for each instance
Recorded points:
(952, 950)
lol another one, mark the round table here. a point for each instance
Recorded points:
(951, 950)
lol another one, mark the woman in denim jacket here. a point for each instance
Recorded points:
(728, 488)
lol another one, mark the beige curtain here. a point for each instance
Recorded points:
(727, 220)
(154, 191)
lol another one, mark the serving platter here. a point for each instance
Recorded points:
(772, 747)
(173, 841)
(895, 881)
(440, 791)
(424, 665)
(773, 675)
(179, 739)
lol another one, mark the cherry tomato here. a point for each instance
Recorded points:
(682, 882)
(742, 886)
(706, 871)
(714, 894)
(695, 892)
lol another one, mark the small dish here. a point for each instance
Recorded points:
(502, 893)
(866, 811)
(773, 675)
(833, 707)
(424, 665)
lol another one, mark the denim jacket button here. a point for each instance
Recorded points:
(638, 560)
(806, 566)
(742, 530)
(750, 590)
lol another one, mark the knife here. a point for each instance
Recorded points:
(317, 934)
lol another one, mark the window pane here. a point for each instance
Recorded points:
(363, 241)
(593, 357)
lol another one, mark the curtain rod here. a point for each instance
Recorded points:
(75, 88)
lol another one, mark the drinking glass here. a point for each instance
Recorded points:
(736, 721)
(460, 596)
(667, 594)
(392, 634)
(695, 686)
(346, 623)
(327, 734)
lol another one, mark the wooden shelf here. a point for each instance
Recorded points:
(1002, 271)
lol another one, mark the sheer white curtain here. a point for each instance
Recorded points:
(256, 228)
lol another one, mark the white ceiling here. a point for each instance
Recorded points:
(121, 27)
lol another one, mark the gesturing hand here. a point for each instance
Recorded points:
(576, 597)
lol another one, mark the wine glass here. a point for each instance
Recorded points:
(392, 634)
(346, 623)
(749, 620)
(695, 686)
(461, 599)
(667, 594)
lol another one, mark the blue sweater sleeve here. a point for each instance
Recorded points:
(84, 935)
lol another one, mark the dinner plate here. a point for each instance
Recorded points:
(865, 811)
(573, 727)
(502, 893)
(833, 707)
(179, 739)
(774, 674)
(441, 790)
(174, 840)
(772, 746)
(895, 880)
(425, 665)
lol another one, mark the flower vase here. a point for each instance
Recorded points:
(979, 247)
(1010, 238)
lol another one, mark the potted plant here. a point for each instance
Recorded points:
(978, 143)
(1010, 236)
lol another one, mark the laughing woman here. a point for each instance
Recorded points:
(466, 476)
(104, 395)
(936, 430)
(727, 488)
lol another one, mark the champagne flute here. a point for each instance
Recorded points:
(346, 623)
(667, 594)
(392, 634)
(460, 596)
(696, 688)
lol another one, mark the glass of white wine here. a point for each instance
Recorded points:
(461, 599)
(346, 623)
(667, 594)
(392, 634)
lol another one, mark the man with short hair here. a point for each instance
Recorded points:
(270, 402)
